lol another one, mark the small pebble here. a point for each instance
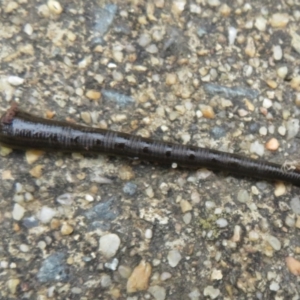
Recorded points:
(15, 80)
(293, 265)
(267, 103)
(277, 52)
(257, 148)
(28, 29)
(292, 128)
(295, 205)
(295, 83)
(216, 275)
(290, 221)
(65, 199)
(139, 278)
(274, 242)
(165, 276)
(282, 72)
(185, 206)
(124, 271)
(171, 79)
(260, 23)
(12, 285)
(250, 49)
(144, 40)
(55, 7)
(280, 189)
(46, 214)
(86, 117)
(105, 281)
(18, 212)
(213, 3)
(24, 248)
(222, 223)
(93, 95)
(109, 244)
(279, 20)
(158, 292)
(211, 292)
(207, 111)
(33, 155)
(148, 234)
(174, 258)
(152, 49)
(274, 286)
(282, 130)
(66, 229)
(272, 144)
(232, 32)
(187, 218)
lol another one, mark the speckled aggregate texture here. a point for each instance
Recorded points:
(219, 74)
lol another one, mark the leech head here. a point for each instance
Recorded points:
(9, 114)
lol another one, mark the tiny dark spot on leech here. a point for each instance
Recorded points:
(98, 142)
(121, 145)
(168, 153)
(145, 150)
(191, 156)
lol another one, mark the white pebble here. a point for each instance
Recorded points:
(152, 49)
(165, 276)
(28, 29)
(267, 103)
(15, 80)
(46, 214)
(148, 233)
(210, 204)
(109, 244)
(274, 286)
(18, 212)
(260, 23)
(174, 258)
(24, 248)
(187, 218)
(89, 198)
(282, 130)
(277, 52)
(222, 223)
(257, 148)
(263, 130)
(232, 32)
(282, 71)
(144, 40)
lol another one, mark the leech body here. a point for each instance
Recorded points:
(19, 129)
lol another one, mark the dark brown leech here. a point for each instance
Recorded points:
(19, 129)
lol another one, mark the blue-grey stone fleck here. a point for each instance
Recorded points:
(254, 127)
(105, 211)
(114, 96)
(30, 222)
(201, 32)
(103, 18)
(99, 225)
(230, 92)
(53, 268)
(130, 188)
(218, 132)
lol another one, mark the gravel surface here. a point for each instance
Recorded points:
(219, 74)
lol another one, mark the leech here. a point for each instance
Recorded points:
(19, 129)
